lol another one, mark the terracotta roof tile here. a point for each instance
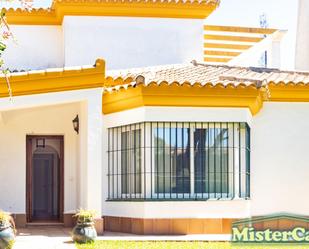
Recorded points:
(61, 70)
(199, 73)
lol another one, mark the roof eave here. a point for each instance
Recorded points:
(59, 9)
(54, 80)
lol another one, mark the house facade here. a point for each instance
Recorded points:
(183, 148)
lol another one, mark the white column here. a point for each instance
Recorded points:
(82, 156)
(302, 39)
(91, 149)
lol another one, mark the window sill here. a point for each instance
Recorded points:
(178, 200)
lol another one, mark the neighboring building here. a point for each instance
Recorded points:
(243, 46)
(173, 149)
(302, 42)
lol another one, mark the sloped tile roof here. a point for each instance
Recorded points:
(204, 74)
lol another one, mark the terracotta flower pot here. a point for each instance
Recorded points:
(84, 232)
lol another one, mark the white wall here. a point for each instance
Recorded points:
(178, 114)
(15, 125)
(52, 114)
(178, 209)
(280, 159)
(279, 162)
(36, 47)
(90, 150)
(131, 42)
(123, 42)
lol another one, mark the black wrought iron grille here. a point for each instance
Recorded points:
(179, 161)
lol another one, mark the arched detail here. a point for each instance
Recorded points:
(45, 178)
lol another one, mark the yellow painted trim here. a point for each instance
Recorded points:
(166, 9)
(233, 38)
(226, 46)
(183, 95)
(242, 38)
(54, 81)
(239, 29)
(221, 53)
(33, 17)
(216, 59)
(288, 92)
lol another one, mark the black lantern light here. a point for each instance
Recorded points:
(75, 122)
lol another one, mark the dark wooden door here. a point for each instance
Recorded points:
(43, 186)
(45, 179)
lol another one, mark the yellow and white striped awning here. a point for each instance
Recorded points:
(224, 43)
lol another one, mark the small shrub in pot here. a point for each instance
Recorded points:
(84, 231)
(7, 231)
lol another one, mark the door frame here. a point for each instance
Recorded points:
(29, 160)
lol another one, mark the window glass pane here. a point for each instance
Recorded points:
(124, 162)
(131, 162)
(136, 176)
(172, 160)
(211, 160)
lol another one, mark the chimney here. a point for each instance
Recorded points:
(302, 39)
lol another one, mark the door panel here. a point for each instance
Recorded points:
(44, 178)
(42, 187)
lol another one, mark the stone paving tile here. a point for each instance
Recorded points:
(44, 238)
(191, 237)
(59, 238)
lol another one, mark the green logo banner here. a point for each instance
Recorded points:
(279, 228)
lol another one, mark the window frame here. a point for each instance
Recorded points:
(238, 188)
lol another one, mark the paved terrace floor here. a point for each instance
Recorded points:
(59, 238)
(44, 238)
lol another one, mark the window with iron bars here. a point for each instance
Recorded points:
(179, 161)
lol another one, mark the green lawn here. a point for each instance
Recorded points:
(182, 245)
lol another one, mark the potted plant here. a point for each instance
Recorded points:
(7, 231)
(84, 231)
